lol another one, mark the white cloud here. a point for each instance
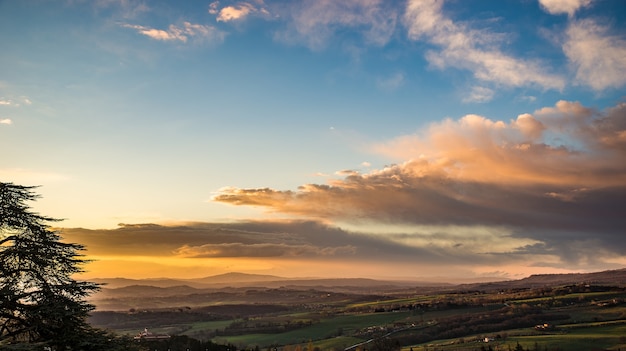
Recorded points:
(213, 7)
(12, 102)
(6, 121)
(599, 58)
(237, 12)
(181, 33)
(569, 7)
(479, 94)
(232, 13)
(473, 50)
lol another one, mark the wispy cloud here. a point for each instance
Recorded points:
(315, 22)
(568, 7)
(15, 102)
(463, 47)
(260, 250)
(479, 94)
(391, 82)
(6, 121)
(181, 33)
(127, 8)
(244, 239)
(598, 57)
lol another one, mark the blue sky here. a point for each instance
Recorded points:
(291, 112)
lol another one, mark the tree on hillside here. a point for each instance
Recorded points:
(40, 303)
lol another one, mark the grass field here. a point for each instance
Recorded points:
(326, 329)
(598, 336)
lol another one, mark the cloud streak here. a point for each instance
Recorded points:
(181, 33)
(304, 241)
(286, 239)
(260, 250)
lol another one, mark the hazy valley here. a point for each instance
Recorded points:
(250, 311)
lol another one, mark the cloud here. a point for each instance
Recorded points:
(391, 83)
(441, 248)
(479, 94)
(311, 242)
(231, 13)
(260, 250)
(286, 239)
(558, 169)
(598, 57)
(463, 47)
(239, 11)
(127, 8)
(6, 121)
(214, 7)
(17, 102)
(315, 22)
(181, 33)
(568, 7)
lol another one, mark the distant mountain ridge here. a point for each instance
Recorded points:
(617, 276)
(242, 288)
(609, 277)
(238, 280)
(236, 277)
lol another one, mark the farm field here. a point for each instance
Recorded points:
(581, 338)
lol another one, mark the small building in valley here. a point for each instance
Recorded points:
(145, 335)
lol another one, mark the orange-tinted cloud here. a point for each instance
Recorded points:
(181, 33)
(289, 247)
(558, 170)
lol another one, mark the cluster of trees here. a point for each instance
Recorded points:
(183, 342)
(41, 305)
(243, 327)
(468, 324)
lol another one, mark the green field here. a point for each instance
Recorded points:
(326, 329)
(582, 337)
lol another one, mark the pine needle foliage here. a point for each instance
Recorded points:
(41, 304)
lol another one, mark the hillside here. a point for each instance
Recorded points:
(611, 277)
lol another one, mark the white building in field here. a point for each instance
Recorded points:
(145, 335)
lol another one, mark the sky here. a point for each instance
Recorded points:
(421, 139)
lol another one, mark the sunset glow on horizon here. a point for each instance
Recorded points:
(419, 139)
